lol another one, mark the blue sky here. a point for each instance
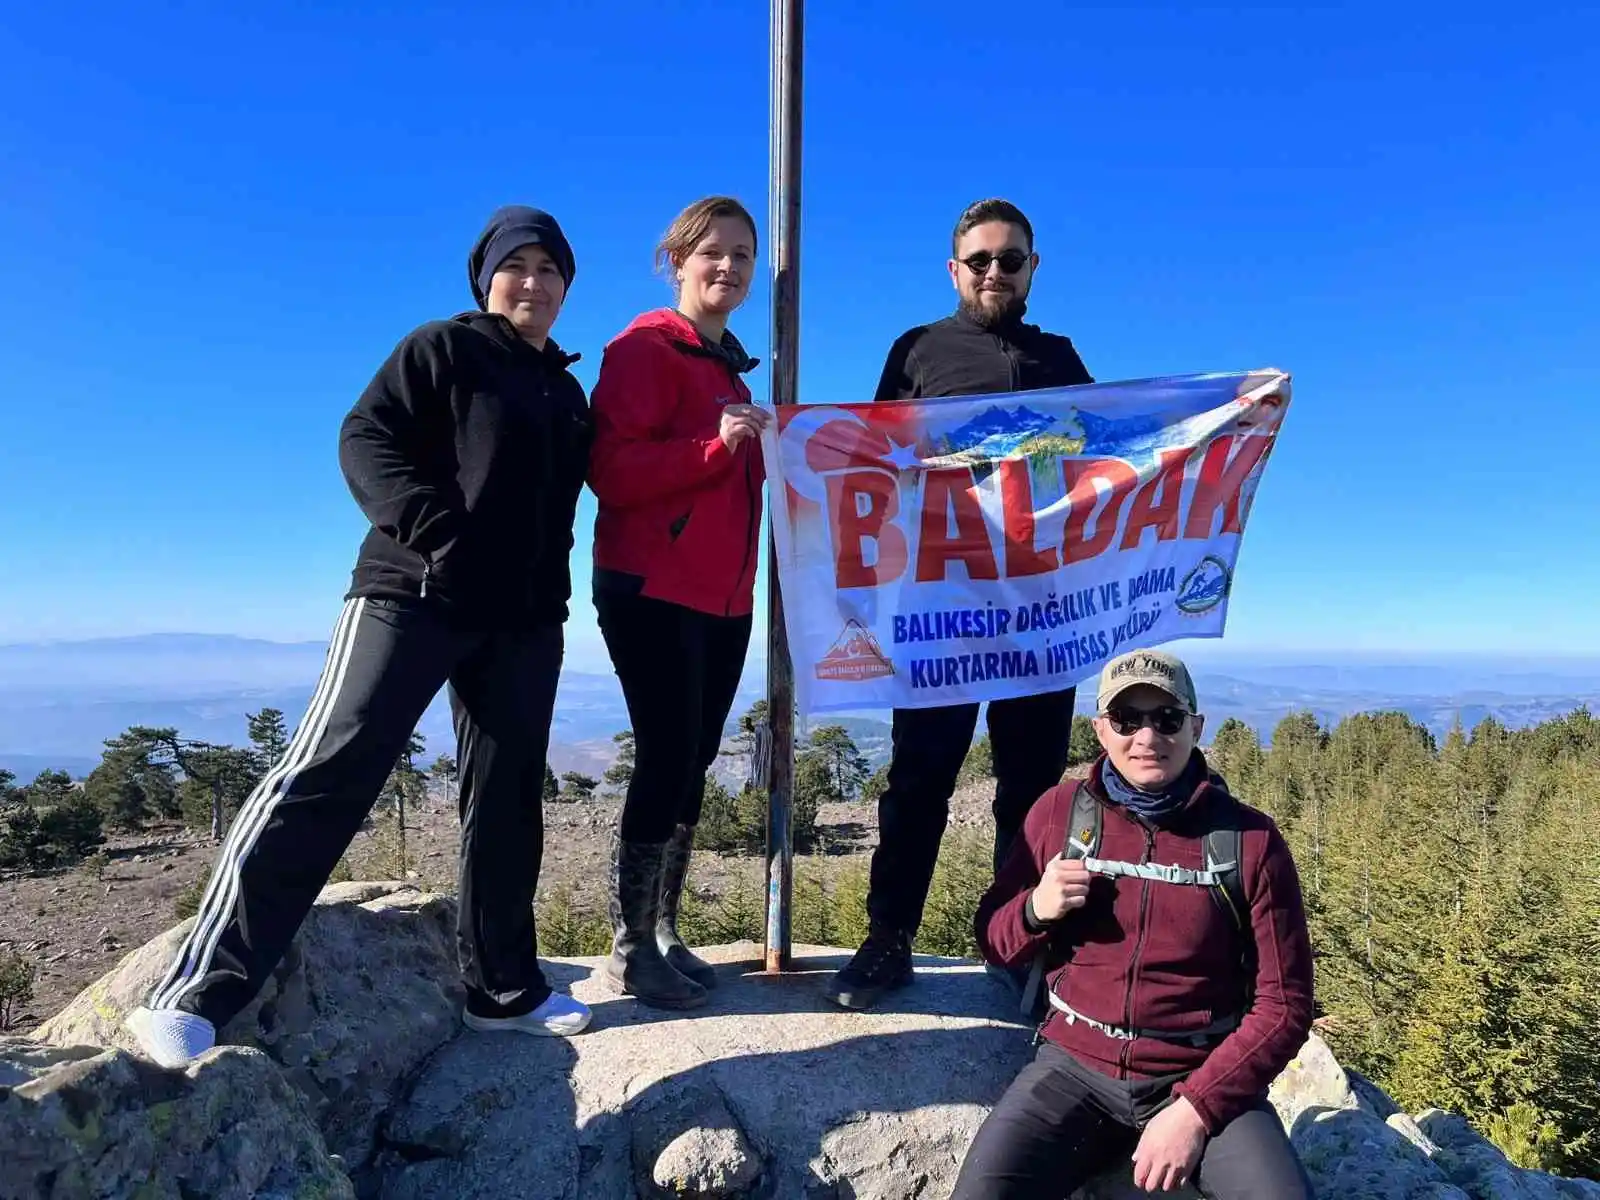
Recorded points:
(217, 223)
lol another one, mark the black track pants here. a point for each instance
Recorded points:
(386, 662)
(1060, 1124)
(1029, 737)
(679, 671)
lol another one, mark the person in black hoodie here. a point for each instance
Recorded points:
(466, 453)
(985, 348)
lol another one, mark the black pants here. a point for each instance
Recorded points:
(679, 671)
(386, 662)
(1060, 1124)
(1029, 737)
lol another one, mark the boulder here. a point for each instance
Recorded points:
(355, 1051)
(368, 990)
(83, 1123)
(768, 1090)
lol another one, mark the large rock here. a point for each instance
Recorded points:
(1478, 1166)
(83, 1123)
(767, 1092)
(368, 990)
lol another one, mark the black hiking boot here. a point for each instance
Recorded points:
(674, 870)
(636, 967)
(883, 964)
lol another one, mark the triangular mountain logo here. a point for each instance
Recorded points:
(854, 655)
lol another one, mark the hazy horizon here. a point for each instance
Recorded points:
(60, 698)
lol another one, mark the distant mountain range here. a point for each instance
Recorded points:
(60, 700)
(1000, 422)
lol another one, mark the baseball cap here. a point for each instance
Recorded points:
(1156, 668)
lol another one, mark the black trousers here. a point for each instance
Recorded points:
(1029, 737)
(679, 670)
(1060, 1124)
(386, 662)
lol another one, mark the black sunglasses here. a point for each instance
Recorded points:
(1166, 720)
(1011, 261)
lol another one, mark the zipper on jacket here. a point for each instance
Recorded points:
(749, 536)
(750, 495)
(427, 572)
(1138, 944)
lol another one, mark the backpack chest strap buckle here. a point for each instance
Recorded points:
(1159, 872)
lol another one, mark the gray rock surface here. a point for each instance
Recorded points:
(367, 992)
(882, 1103)
(767, 1092)
(103, 1123)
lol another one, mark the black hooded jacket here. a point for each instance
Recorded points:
(959, 357)
(467, 452)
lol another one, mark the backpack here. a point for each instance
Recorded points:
(1223, 851)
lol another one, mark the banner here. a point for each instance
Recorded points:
(943, 551)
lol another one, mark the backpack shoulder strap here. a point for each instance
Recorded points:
(1224, 849)
(1083, 825)
(1082, 839)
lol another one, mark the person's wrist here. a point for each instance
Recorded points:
(1190, 1115)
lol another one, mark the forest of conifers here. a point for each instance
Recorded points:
(1454, 901)
(1453, 890)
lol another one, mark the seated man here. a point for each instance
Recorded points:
(1177, 964)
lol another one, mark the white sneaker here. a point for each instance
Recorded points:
(559, 1016)
(170, 1036)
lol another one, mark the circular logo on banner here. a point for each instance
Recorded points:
(1205, 587)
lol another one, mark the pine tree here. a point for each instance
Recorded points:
(269, 735)
(620, 773)
(49, 788)
(406, 786)
(23, 841)
(718, 830)
(978, 765)
(877, 783)
(813, 787)
(114, 787)
(845, 762)
(1084, 744)
(1236, 754)
(447, 772)
(577, 787)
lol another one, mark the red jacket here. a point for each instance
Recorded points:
(1150, 955)
(677, 507)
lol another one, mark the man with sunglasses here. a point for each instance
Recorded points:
(984, 348)
(1172, 1006)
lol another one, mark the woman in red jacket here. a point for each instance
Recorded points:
(676, 467)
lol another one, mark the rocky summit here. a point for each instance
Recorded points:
(351, 1076)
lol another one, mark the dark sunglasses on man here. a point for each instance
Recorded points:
(1011, 261)
(1166, 720)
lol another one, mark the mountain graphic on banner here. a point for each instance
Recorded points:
(1124, 437)
(855, 654)
(998, 433)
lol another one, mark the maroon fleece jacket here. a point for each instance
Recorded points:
(1151, 955)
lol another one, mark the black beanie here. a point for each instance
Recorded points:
(510, 227)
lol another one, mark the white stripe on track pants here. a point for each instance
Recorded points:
(386, 662)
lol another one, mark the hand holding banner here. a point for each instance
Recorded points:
(947, 551)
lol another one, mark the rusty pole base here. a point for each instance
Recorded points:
(776, 966)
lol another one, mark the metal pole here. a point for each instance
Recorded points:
(788, 20)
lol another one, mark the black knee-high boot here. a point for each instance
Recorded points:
(674, 870)
(637, 967)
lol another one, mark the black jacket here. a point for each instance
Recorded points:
(467, 452)
(959, 357)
